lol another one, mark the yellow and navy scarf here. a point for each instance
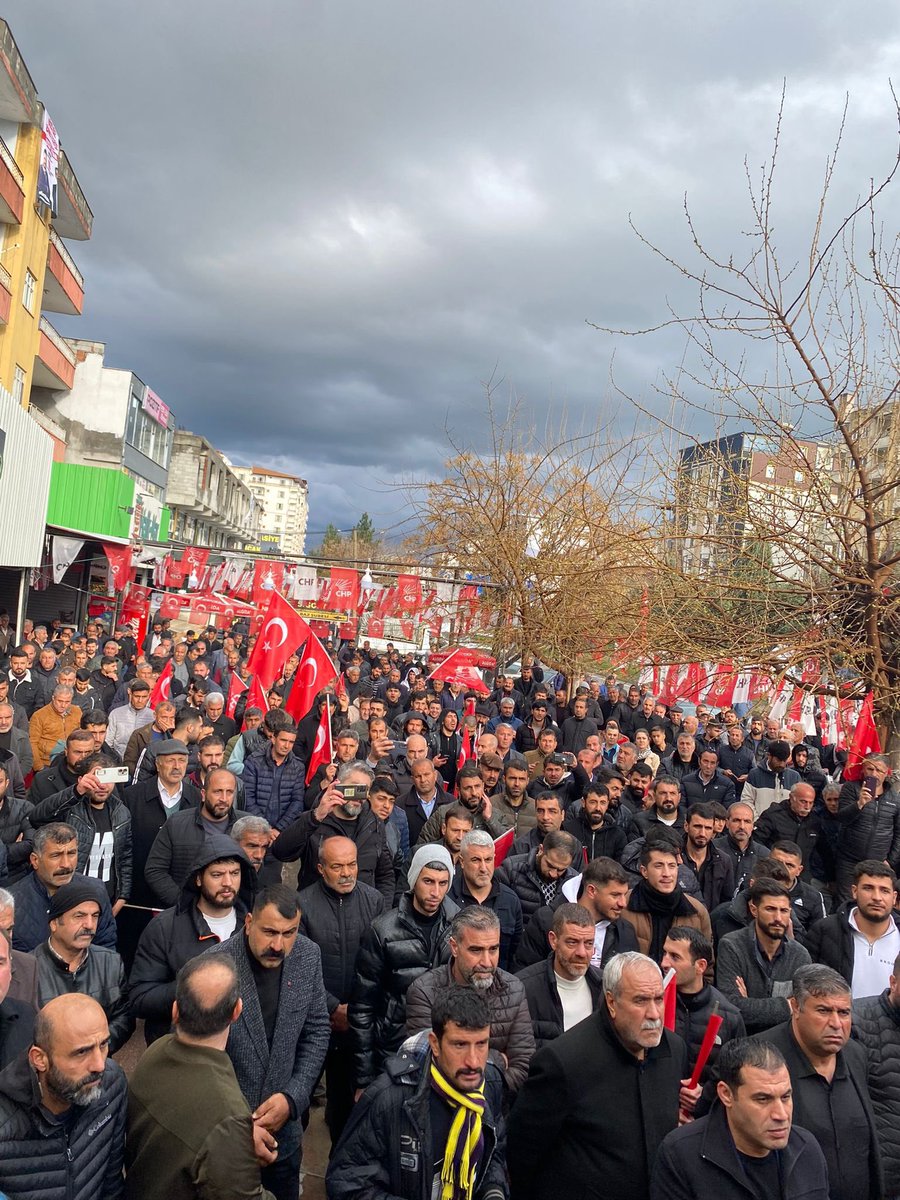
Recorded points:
(464, 1142)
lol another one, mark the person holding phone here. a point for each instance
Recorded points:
(869, 816)
(102, 822)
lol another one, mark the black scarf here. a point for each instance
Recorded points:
(662, 909)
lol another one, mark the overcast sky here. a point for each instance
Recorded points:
(320, 226)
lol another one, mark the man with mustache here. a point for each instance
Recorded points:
(756, 965)
(62, 1108)
(600, 1098)
(278, 1044)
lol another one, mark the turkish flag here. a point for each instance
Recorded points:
(466, 753)
(865, 741)
(502, 846)
(322, 751)
(162, 689)
(375, 628)
(119, 564)
(281, 633)
(409, 593)
(314, 671)
(256, 698)
(236, 685)
(169, 607)
(342, 592)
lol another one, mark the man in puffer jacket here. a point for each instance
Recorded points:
(64, 1146)
(870, 823)
(399, 947)
(536, 878)
(876, 1024)
(475, 946)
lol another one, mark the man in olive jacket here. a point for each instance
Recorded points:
(190, 1132)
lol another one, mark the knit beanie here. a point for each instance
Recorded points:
(70, 895)
(431, 852)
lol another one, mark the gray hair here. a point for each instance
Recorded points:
(476, 837)
(250, 825)
(7, 899)
(213, 698)
(503, 725)
(741, 804)
(59, 833)
(352, 767)
(62, 691)
(476, 917)
(347, 735)
(817, 980)
(619, 964)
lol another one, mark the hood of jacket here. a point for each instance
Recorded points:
(217, 846)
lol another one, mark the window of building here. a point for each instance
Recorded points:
(28, 291)
(798, 477)
(770, 470)
(19, 385)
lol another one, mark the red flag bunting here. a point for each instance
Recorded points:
(119, 564)
(193, 565)
(342, 592)
(409, 593)
(256, 698)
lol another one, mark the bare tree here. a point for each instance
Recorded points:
(781, 545)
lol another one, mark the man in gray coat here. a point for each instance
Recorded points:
(755, 966)
(279, 1042)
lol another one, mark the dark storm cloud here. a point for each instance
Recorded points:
(320, 226)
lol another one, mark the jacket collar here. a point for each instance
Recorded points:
(718, 1147)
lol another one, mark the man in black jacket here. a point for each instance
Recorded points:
(707, 783)
(536, 878)
(62, 772)
(828, 1077)
(739, 844)
(793, 820)
(63, 1108)
(181, 838)
(335, 912)
(342, 815)
(746, 1146)
(563, 988)
(398, 1141)
(424, 797)
(713, 868)
(601, 889)
(216, 896)
(474, 883)
(861, 941)
(68, 962)
(599, 1099)
(876, 1025)
(595, 827)
(689, 954)
(870, 822)
(399, 946)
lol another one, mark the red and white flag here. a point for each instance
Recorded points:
(256, 698)
(466, 753)
(236, 686)
(322, 751)
(502, 846)
(282, 631)
(314, 672)
(162, 689)
(865, 741)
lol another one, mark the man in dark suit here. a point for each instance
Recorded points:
(278, 1044)
(423, 798)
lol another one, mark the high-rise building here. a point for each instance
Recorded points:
(284, 500)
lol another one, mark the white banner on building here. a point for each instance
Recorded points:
(305, 589)
(48, 171)
(65, 551)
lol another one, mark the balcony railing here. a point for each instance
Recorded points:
(59, 342)
(11, 164)
(60, 246)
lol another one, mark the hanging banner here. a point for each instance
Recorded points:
(409, 593)
(342, 592)
(65, 551)
(193, 566)
(119, 565)
(48, 171)
(268, 577)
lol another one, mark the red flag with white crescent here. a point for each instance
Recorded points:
(162, 689)
(502, 846)
(256, 698)
(236, 685)
(281, 633)
(865, 741)
(322, 751)
(314, 672)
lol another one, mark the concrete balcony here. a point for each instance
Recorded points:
(63, 282)
(18, 95)
(75, 219)
(12, 188)
(54, 363)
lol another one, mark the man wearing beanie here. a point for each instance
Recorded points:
(69, 962)
(399, 947)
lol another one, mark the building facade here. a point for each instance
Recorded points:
(210, 505)
(284, 504)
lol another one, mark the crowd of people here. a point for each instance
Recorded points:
(556, 939)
